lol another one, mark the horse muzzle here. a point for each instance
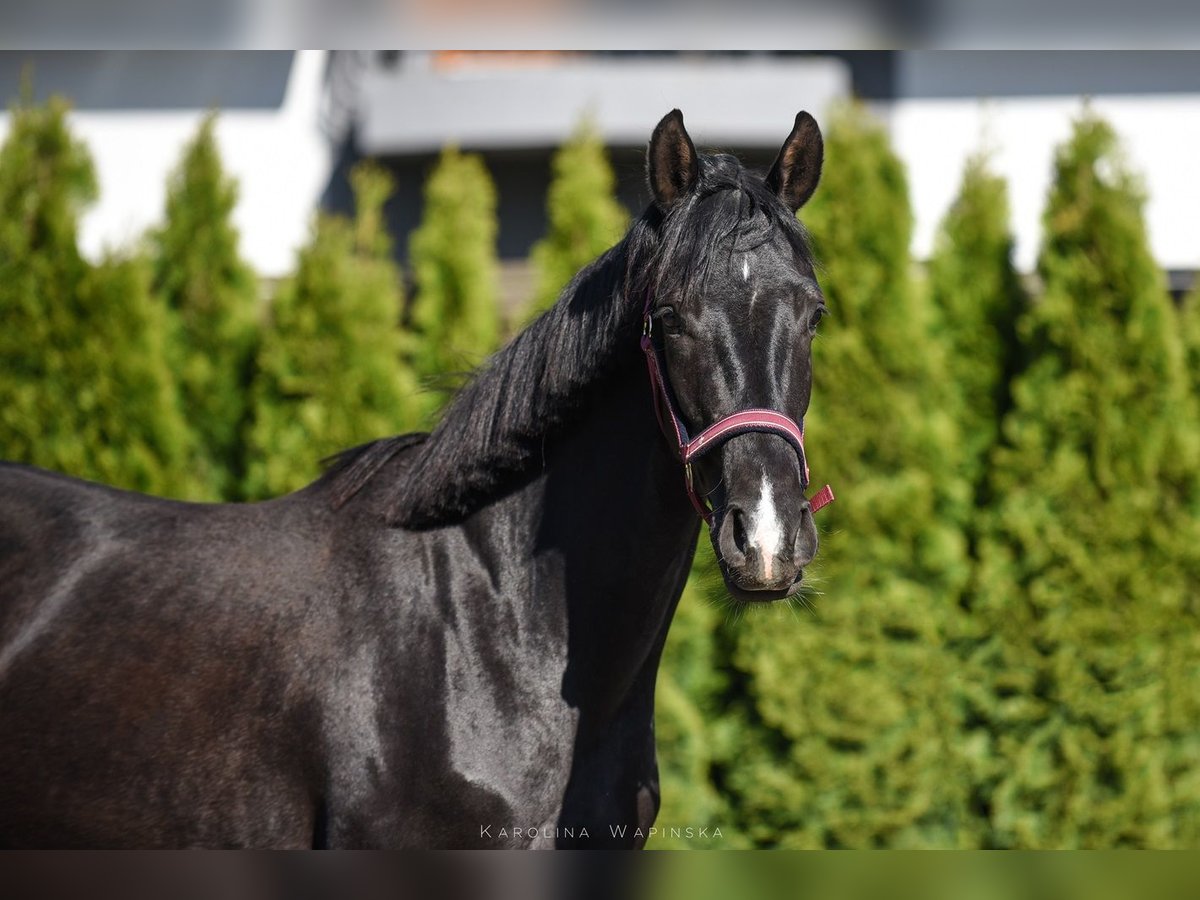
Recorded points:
(763, 552)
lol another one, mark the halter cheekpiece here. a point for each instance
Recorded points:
(765, 421)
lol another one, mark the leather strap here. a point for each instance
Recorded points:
(764, 421)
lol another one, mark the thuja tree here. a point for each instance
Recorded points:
(848, 731)
(585, 217)
(977, 293)
(1189, 314)
(693, 733)
(85, 385)
(330, 372)
(1086, 683)
(212, 294)
(455, 313)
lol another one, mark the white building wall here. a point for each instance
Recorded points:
(279, 157)
(1160, 133)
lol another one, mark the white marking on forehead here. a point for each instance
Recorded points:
(766, 535)
(745, 268)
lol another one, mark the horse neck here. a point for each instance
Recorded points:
(615, 517)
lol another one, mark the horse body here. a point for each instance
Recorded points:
(283, 674)
(448, 640)
(126, 678)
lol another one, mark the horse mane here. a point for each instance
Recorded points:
(348, 471)
(496, 427)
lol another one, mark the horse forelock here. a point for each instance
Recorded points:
(731, 211)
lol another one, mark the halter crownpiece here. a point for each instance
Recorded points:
(764, 421)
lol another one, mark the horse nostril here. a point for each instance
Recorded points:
(731, 539)
(805, 549)
(739, 531)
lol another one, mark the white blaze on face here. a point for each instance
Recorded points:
(766, 534)
(746, 277)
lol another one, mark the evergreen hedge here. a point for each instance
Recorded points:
(331, 371)
(695, 735)
(455, 313)
(1085, 684)
(977, 294)
(1189, 315)
(213, 297)
(585, 217)
(83, 373)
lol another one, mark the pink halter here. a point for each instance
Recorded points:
(767, 421)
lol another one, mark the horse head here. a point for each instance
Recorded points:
(730, 316)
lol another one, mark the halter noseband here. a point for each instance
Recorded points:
(765, 421)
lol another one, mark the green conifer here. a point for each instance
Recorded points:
(455, 312)
(1086, 679)
(585, 217)
(692, 733)
(212, 293)
(330, 368)
(83, 371)
(978, 295)
(1189, 320)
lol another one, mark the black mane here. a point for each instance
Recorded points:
(496, 427)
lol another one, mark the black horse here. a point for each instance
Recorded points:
(451, 639)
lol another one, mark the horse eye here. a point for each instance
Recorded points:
(670, 319)
(816, 318)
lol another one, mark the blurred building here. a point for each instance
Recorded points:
(294, 122)
(136, 110)
(516, 108)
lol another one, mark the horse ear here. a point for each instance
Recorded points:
(797, 169)
(671, 161)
